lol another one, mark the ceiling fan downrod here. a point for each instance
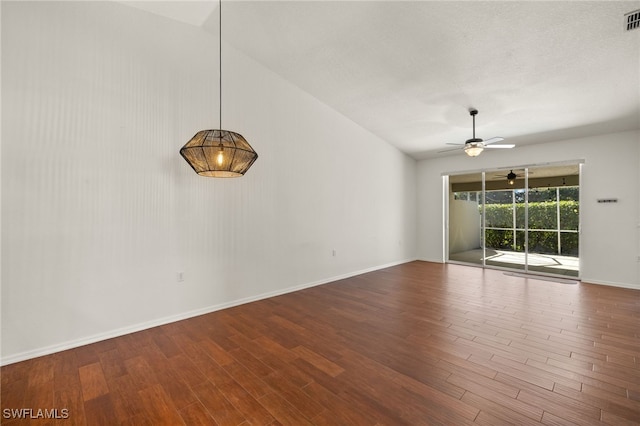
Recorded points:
(473, 113)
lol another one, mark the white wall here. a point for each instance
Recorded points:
(610, 232)
(99, 211)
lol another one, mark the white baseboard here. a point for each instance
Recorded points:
(610, 283)
(22, 356)
(424, 259)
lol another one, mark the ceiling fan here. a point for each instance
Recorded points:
(511, 176)
(474, 146)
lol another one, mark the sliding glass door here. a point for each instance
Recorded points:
(523, 219)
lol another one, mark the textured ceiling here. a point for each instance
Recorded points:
(409, 71)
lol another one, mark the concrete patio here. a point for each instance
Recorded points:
(546, 263)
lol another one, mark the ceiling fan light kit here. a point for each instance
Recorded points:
(473, 149)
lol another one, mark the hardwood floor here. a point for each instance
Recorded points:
(419, 343)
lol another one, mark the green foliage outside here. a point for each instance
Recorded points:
(542, 216)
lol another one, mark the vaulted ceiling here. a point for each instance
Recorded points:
(409, 71)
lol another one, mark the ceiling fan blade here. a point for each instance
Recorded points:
(457, 144)
(449, 150)
(492, 140)
(509, 145)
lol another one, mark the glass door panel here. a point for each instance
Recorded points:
(465, 219)
(501, 232)
(569, 197)
(553, 212)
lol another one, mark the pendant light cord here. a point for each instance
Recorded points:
(220, 63)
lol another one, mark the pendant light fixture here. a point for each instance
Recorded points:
(219, 153)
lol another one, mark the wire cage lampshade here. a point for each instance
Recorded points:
(219, 153)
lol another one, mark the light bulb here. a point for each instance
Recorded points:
(220, 157)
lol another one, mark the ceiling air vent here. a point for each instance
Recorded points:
(632, 20)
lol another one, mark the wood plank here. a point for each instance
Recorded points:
(39, 397)
(318, 361)
(463, 366)
(13, 393)
(249, 406)
(252, 363)
(166, 345)
(619, 405)
(65, 372)
(518, 372)
(567, 409)
(92, 381)
(158, 406)
(216, 352)
(112, 364)
(477, 383)
(508, 410)
(187, 370)
(217, 405)
(100, 411)
(614, 406)
(70, 398)
(180, 393)
(273, 356)
(125, 398)
(611, 419)
(337, 410)
(41, 371)
(196, 415)
(249, 381)
(139, 420)
(290, 391)
(283, 411)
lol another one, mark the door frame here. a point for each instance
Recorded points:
(446, 194)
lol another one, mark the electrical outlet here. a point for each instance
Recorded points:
(333, 253)
(180, 276)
